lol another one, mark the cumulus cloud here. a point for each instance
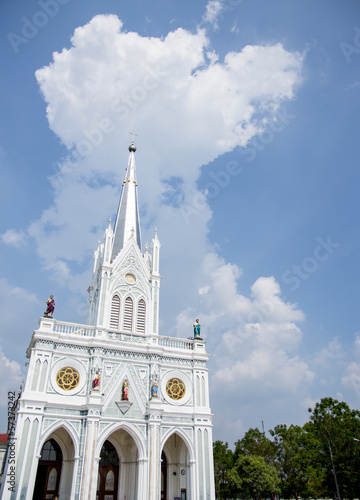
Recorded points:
(13, 238)
(187, 109)
(252, 337)
(112, 75)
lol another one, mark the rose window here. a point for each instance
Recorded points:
(175, 389)
(67, 378)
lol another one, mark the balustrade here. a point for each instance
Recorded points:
(64, 328)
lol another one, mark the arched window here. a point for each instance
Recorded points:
(128, 314)
(115, 312)
(51, 451)
(141, 314)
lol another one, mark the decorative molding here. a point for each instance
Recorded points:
(108, 370)
(142, 373)
(123, 406)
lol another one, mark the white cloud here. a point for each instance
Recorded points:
(251, 337)
(329, 356)
(308, 403)
(117, 76)
(16, 294)
(13, 238)
(357, 342)
(11, 376)
(231, 426)
(17, 307)
(212, 12)
(351, 377)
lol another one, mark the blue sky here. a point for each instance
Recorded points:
(247, 115)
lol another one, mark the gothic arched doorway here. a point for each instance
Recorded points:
(48, 472)
(108, 473)
(175, 477)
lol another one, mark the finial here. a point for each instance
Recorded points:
(132, 147)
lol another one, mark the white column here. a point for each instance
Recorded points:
(192, 481)
(142, 478)
(154, 462)
(102, 297)
(29, 459)
(211, 485)
(74, 476)
(94, 478)
(91, 463)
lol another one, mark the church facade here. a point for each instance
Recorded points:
(112, 410)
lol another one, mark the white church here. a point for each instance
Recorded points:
(112, 410)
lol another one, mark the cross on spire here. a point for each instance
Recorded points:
(133, 135)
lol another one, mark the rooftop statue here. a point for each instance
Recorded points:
(197, 326)
(50, 307)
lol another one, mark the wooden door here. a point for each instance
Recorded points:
(107, 482)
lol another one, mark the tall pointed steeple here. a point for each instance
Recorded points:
(127, 223)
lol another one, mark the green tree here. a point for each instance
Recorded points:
(335, 426)
(256, 443)
(299, 462)
(252, 476)
(223, 463)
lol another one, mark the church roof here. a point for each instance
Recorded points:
(127, 223)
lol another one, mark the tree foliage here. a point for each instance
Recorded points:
(299, 462)
(254, 477)
(335, 426)
(319, 460)
(256, 443)
(223, 463)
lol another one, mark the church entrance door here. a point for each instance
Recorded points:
(49, 470)
(108, 473)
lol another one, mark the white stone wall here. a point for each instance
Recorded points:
(82, 419)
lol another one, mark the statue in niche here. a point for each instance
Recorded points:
(50, 307)
(96, 382)
(154, 389)
(197, 327)
(125, 391)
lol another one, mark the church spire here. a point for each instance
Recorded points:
(127, 223)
